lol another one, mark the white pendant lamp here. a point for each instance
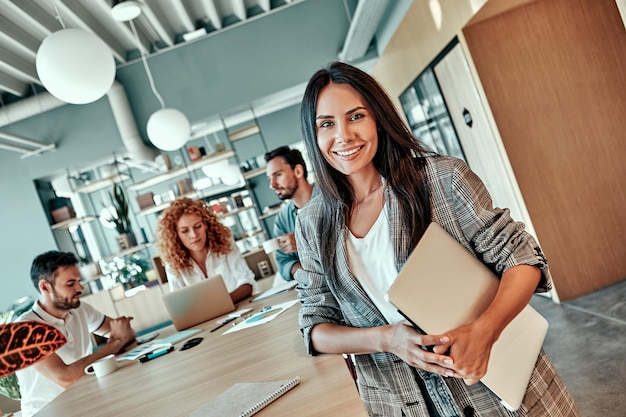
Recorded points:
(75, 66)
(168, 129)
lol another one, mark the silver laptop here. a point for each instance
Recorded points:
(199, 302)
(443, 286)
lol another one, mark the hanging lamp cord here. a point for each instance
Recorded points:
(145, 65)
(58, 15)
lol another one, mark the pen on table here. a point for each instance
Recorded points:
(156, 354)
(243, 318)
(224, 323)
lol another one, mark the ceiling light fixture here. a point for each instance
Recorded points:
(168, 129)
(74, 65)
(125, 10)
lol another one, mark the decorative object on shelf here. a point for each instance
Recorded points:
(74, 65)
(168, 129)
(88, 269)
(163, 162)
(117, 215)
(145, 200)
(61, 209)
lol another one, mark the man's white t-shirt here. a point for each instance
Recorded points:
(37, 390)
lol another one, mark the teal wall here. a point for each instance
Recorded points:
(241, 64)
(202, 78)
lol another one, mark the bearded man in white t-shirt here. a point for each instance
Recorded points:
(57, 278)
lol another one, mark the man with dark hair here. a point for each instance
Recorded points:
(287, 173)
(57, 278)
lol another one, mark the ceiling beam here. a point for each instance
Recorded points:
(17, 39)
(11, 63)
(265, 5)
(78, 17)
(12, 85)
(37, 17)
(153, 23)
(239, 9)
(178, 16)
(208, 6)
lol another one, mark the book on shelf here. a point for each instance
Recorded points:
(245, 399)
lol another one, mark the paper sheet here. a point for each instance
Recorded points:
(263, 316)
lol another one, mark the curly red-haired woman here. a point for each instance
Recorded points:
(194, 246)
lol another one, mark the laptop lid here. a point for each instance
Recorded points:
(440, 268)
(199, 302)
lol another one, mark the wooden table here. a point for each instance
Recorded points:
(178, 383)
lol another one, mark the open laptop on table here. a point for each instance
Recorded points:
(443, 286)
(199, 302)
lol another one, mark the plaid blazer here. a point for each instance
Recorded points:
(388, 386)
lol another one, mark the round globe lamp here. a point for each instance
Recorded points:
(75, 66)
(168, 129)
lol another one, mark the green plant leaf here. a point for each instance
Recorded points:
(24, 343)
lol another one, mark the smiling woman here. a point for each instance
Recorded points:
(380, 189)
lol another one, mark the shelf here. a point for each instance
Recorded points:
(244, 132)
(271, 212)
(205, 192)
(254, 173)
(182, 170)
(218, 189)
(76, 221)
(128, 251)
(92, 279)
(96, 185)
(248, 236)
(237, 211)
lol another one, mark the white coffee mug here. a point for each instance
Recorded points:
(103, 366)
(271, 245)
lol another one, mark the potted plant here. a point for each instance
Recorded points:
(118, 215)
(129, 270)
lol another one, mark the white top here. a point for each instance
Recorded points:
(232, 267)
(36, 389)
(372, 261)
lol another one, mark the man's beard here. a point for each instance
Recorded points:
(64, 303)
(288, 192)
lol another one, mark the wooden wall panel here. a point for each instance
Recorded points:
(554, 72)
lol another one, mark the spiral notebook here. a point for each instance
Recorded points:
(245, 399)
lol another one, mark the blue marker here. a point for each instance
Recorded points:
(156, 354)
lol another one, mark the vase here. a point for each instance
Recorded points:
(126, 241)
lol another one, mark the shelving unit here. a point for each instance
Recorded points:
(196, 194)
(181, 170)
(129, 251)
(248, 142)
(101, 184)
(76, 221)
(254, 173)
(270, 213)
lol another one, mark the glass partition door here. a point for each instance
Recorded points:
(428, 117)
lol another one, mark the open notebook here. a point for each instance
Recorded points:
(443, 286)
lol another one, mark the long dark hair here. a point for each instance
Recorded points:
(398, 158)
